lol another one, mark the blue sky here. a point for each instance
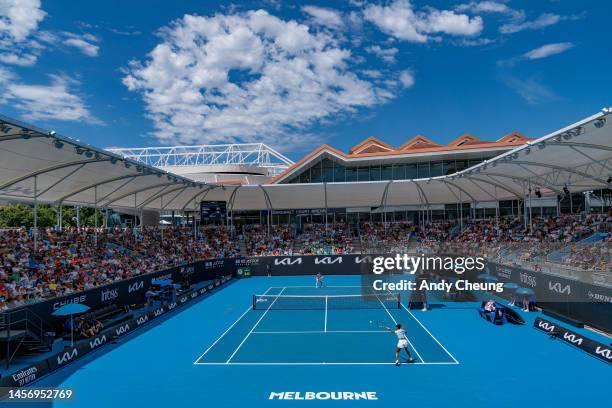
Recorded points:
(297, 74)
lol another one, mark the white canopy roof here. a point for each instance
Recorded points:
(63, 170)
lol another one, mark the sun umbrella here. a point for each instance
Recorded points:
(525, 291)
(487, 277)
(71, 309)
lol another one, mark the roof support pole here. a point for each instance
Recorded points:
(524, 208)
(106, 217)
(496, 211)
(161, 225)
(530, 217)
(325, 195)
(195, 231)
(78, 217)
(35, 213)
(96, 215)
(232, 200)
(268, 205)
(383, 205)
(460, 212)
(135, 206)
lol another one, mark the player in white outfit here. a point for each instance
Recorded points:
(402, 342)
(318, 280)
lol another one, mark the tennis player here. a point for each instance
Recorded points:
(402, 343)
(318, 280)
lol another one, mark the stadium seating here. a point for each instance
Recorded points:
(73, 260)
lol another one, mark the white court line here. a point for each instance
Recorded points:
(253, 328)
(325, 314)
(394, 321)
(319, 331)
(324, 364)
(225, 332)
(428, 332)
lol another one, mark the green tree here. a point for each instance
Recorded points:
(22, 215)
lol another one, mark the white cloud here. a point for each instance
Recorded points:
(401, 21)
(19, 18)
(484, 7)
(531, 89)
(543, 21)
(406, 78)
(516, 19)
(16, 58)
(86, 43)
(324, 16)
(548, 50)
(55, 101)
(448, 22)
(245, 77)
(386, 54)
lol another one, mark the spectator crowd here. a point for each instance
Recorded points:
(74, 260)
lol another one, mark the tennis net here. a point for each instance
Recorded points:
(291, 302)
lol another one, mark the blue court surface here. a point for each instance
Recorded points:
(221, 353)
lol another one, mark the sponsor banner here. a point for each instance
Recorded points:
(65, 356)
(122, 329)
(142, 319)
(85, 346)
(127, 292)
(582, 301)
(304, 265)
(25, 376)
(594, 348)
(32, 373)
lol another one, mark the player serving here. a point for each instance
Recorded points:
(402, 342)
(318, 280)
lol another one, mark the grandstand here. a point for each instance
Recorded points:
(543, 225)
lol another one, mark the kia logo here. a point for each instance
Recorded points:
(97, 342)
(607, 353)
(122, 330)
(135, 286)
(288, 261)
(328, 260)
(142, 319)
(365, 259)
(572, 338)
(546, 326)
(67, 356)
(556, 287)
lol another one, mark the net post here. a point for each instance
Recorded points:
(253, 302)
(399, 304)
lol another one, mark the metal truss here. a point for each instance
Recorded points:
(248, 154)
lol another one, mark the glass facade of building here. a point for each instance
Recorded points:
(329, 171)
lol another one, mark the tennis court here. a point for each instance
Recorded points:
(304, 325)
(155, 368)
